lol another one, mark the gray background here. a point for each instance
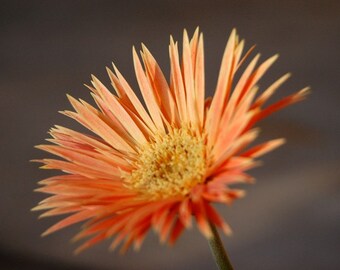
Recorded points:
(289, 220)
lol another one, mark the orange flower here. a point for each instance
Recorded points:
(159, 165)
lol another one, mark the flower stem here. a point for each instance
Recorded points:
(218, 251)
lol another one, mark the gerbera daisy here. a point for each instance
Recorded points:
(161, 164)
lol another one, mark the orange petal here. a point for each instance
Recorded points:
(81, 159)
(280, 105)
(177, 81)
(75, 218)
(264, 148)
(216, 219)
(270, 91)
(121, 114)
(160, 85)
(185, 213)
(148, 94)
(135, 101)
(200, 80)
(201, 218)
(222, 89)
(100, 127)
(176, 232)
(188, 78)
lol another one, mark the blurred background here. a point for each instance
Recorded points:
(290, 219)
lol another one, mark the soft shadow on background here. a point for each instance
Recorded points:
(290, 218)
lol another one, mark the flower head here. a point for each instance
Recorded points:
(161, 164)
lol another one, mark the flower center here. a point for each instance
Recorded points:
(169, 165)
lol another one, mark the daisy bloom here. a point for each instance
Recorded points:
(162, 162)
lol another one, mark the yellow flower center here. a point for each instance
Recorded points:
(169, 165)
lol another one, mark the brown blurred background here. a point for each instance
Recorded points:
(289, 220)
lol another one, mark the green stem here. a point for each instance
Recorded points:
(217, 249)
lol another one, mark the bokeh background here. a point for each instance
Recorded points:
(289, 220)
